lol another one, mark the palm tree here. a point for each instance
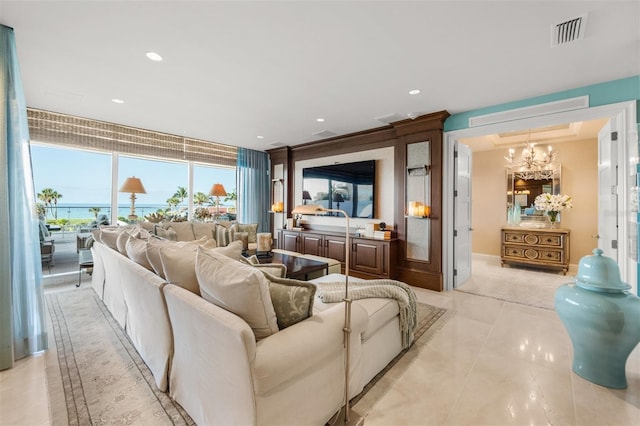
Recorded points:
(55, 196)
(173, 203)
(181, 194)
(200, 198)
(95, 211)
(46, 196)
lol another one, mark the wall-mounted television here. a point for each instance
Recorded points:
(343, 186)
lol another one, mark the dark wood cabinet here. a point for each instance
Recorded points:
(334, 247)
(312, 244)
(368, 258)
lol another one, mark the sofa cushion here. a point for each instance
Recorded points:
(203, 229)
(109, 236)
(292, 299)
(137, 251)
(276, 269)
(179, 261)
(238, 288)
(222, 235)
(184, 230)
(167, 234)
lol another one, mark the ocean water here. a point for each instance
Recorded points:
(81, 211)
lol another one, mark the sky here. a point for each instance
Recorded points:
(84, 177)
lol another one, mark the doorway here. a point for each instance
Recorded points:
(622, 115)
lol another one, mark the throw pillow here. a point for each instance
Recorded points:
(201, 229)
(153, 251)
(184, 230)
(292, 300)
(121, 242)
(168, 234)
(109, 236)
(178, 266)
(251, 229)
(137, 251)
(237, 288)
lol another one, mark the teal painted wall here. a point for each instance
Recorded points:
(611, 92)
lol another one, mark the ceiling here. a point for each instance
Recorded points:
(234, 71)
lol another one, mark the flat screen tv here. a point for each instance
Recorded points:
(343, 186)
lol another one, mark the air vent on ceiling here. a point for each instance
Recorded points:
(390, 118)
(324, 134)
(568, 31)
(276, 144)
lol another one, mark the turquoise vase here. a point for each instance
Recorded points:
(602, 319)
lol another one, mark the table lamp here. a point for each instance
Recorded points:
(134, 186)
(217, 190)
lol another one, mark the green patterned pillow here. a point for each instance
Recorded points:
(251, 229)
(292, 299)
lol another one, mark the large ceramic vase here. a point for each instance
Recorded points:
(602, 319)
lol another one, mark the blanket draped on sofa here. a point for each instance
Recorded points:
(331, 292)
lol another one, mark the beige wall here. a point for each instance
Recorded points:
(579, 180)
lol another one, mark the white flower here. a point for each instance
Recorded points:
(553, 203)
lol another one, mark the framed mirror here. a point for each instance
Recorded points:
(523, 186)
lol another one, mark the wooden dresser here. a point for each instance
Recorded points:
(537, 247)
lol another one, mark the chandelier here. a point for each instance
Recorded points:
(530, 165)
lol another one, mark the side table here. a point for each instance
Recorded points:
(85, 261)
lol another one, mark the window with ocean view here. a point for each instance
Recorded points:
(72, 186)
(161, 180)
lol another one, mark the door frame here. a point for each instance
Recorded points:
(628, 135)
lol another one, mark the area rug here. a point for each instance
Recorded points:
(516, 284)
(97, 376)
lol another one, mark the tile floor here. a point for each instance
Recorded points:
(492, 363)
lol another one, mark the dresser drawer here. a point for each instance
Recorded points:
(542, 247)
(547, 240)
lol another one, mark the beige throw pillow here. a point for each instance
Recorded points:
(179, 261)
(237, 288)
(137, 251)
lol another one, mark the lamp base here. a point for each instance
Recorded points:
(355, 419)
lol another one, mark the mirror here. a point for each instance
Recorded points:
(523, 186)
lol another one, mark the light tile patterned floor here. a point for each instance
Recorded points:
(492, 363)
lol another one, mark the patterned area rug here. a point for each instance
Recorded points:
(100, 378)
(95, 376)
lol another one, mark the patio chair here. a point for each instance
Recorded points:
(47, 246)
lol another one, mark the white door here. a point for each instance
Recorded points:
(607, 192)
(462, 215)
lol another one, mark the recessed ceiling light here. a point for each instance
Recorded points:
(415, 91)
(260, 137)
(117, 101)
(153, 56)
(320, 120)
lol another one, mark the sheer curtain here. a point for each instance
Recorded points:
(22, 322)
(254, 188)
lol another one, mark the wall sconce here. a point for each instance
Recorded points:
(217, 190)
(134, 186)
(418, 209)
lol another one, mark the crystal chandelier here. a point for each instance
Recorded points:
(529, 166)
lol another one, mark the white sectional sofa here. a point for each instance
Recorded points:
(209, 359)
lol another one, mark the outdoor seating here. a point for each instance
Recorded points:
(47, 246)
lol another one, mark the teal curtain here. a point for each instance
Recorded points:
(22, 321)
(254, 188)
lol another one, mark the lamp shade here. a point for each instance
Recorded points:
(217, 190)
(133, 185)
(306, 195)
(337, 198)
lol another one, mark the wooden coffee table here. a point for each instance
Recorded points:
(297, 267)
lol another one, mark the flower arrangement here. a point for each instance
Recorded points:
(553, 204)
